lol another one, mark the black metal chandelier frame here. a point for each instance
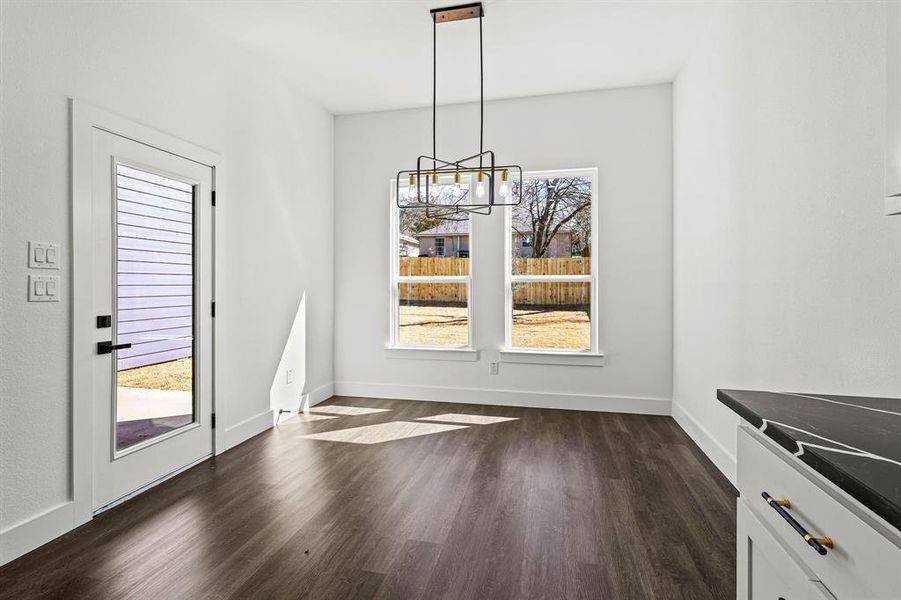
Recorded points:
(475, 164)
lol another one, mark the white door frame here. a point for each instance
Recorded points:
(76, 510)
(86, 118)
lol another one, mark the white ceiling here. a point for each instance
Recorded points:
(360, 56)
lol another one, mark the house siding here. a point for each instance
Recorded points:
(560, 246)
(452, 244)
(154, 272)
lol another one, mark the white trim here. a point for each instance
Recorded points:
(247, 428)
(592, 279)
(320, 394)
(25, 536)
(717, 453)
(528, 399)
(84, 118)
(893, 205)
(220, 278)
(307, 401)
(432, 353)
(551, 357)
(541, 278)
(431, 278)
(395, 278)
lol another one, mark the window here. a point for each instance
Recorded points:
(430, 287)
(551, 279)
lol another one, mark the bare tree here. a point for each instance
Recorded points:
(548, 205)
(415, 220)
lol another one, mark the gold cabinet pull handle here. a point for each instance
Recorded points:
(817, 543)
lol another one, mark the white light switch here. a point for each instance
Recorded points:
(43, 288)
(43, 255)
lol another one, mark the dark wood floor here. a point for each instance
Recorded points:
(555, 504)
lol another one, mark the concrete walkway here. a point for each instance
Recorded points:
(138, 403)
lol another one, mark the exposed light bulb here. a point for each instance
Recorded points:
(504, 188)
(480, 185)
(414, 189)
(433, 189)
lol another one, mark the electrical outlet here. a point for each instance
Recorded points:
(289, 376)
(492, 368)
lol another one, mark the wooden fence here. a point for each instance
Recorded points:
(554, 294)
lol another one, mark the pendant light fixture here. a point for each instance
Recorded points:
(490, 184)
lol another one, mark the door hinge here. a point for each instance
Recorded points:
(214, 197)
(213, 309)
(213, 421)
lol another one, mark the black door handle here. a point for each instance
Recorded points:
(107, 347)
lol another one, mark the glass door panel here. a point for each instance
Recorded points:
(153, 306)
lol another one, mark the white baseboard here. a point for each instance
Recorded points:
(623, 404)
(320, 394)
(36, 531)
(248, 428)
(709, 445)
(307, 401)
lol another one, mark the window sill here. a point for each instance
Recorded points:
(432, 353)
(550, 357)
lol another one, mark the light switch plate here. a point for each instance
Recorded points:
(43, 255)
(43, 288)
(289, 376)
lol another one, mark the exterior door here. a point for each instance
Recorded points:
(152, 294)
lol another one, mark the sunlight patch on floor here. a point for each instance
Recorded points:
(468, 419)
(383, 432)
(347, 410)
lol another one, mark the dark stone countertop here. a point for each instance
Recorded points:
(853, 442)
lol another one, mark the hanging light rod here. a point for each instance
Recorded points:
(458, 13)
(486, 173)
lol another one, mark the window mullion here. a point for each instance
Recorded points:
(433, 279)
(551, 278)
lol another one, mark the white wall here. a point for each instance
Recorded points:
(141, 61)
(787, 274)
(627, 135)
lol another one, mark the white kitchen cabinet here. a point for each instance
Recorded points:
(774, 561)
(893, 110)
(766, 571)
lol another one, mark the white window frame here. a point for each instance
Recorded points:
(394, 348)
(443, 247)
(590, 357)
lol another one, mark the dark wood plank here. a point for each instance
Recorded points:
(554, 504)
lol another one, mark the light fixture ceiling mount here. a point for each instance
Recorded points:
(424, 181)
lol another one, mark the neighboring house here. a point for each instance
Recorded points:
(451, 238)
(409, 246)
(561, 245)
